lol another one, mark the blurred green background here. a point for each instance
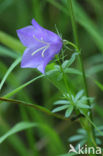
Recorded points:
(15, 14)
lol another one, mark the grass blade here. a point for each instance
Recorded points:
(15, 63)
(22, 86)
(51, 134)
(19, 127)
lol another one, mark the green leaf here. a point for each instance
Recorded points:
(75, 138)
(98, 84)
(57, 67)
(72, 71)
(61, 102)
(79, 94)
(60, 77)
(15, 63)
(14, 141)
(17, 128)
(22, 86)
(67, 63)
(69, 111)
(60, 108)
(98, 141)
(81, 105)
(53, 138)
(81, 131)
(52, 76)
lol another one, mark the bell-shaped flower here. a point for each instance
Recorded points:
(42, 45)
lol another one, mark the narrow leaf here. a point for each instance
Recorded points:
(61, 102)
(69, 111)
(48, 132)
(15, 63)
(17, 128)
(81, 105)
(79, 94)
(67, 63)
(60, 108)
(75, 138)
(22, 86)
(72, 71)
(98, 84)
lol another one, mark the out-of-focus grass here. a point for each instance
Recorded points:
(17, 14)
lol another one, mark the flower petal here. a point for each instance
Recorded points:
(43, 64)
(41, 68)
(29, 60)
(48, 56)
(36, 25)
(26, 36)
(38, 60)
(42, 45)
(44, 34)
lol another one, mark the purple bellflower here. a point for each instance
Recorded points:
(42, 45)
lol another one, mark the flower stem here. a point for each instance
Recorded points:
(67, 86)
(66, 83)
(92, 134)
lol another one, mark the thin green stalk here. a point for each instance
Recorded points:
(15, 63)
(67, 86)
(37, 107)
(65, 82)
(22, 86)
(80, 56)
(73, 23)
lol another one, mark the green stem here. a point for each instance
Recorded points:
(67, 86)
(80, 57)
(73, 22)
(66, 83)
(36, 107)
(15, 63)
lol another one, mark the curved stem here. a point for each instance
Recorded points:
(37, 107)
